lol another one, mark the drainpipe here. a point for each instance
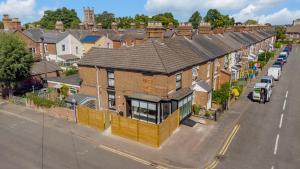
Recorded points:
(97, 86)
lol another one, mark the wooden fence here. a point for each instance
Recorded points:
(146, 133)
(96, 119)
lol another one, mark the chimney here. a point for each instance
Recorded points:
(81, 26)
(99, 26)
(185, 29)
(239, 28)
(219, 30)
(6, 20)
(155, 30)
(59, 26)
(142, 25)
(132, 25)
(114, 26)
(204, 28)
(170, 26)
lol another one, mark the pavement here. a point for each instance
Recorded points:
(268, 137)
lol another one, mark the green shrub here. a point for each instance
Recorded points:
(43, 102)
(70, 72)
(196, 109)
(222, 95)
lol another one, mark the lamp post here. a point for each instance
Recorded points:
(74, 109)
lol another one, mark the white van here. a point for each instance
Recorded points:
(257, 89)
(275, 72)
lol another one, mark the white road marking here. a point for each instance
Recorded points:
(284, 104)
(276, 144)
(280, 123)
(2, 103)
(286, 94)
(17, 115)
(272, 167)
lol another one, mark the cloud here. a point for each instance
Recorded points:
(256, 11)
(241, 10)
(18, 8)
(284, 16)
(187, 6)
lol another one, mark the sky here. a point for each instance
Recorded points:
(264, 11)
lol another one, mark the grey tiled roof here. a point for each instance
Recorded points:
(146, 97)
(71, 80)
(151, 56)
(180, 94)
(50, 36)
(38, 68)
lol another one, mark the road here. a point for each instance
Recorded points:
(21, 146)
(269, 136)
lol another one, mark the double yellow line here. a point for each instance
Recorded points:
(224, 147)
(229, 140)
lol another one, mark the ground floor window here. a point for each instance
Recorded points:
(185, 106)
(111, 101)
(142, 110)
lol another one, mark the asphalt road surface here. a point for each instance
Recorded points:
(269, 134)
(21, 147)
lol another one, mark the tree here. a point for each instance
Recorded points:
(280, 32)
(216, 19)
(67, 16)
(15, 60)
(141, 18)
(105, 18)
(165, 18)
(1, 25)
(251, 22)
(195, 19)
(124, 22)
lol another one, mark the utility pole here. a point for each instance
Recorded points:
(44, 61)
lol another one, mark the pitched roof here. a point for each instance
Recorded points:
(90, 39)
(50, 36)
(151, 56)
(39, 68)
(68, 57)
(71, 80)
(293, 29)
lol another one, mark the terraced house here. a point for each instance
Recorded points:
(151, 80)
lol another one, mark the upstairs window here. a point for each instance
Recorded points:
(63, 48)
(111, 79)
(178, 81)
(195, 73)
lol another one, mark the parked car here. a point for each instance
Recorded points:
(280, 60)
(287, 50)
(275, 72)
(277, 64)
(285, 54)
(267, 79)
(256, 93)
(284, 58)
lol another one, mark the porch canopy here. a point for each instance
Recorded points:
(201, 86)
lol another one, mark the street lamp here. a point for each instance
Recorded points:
(74, 109)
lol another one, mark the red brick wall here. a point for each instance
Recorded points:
(31, 44)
